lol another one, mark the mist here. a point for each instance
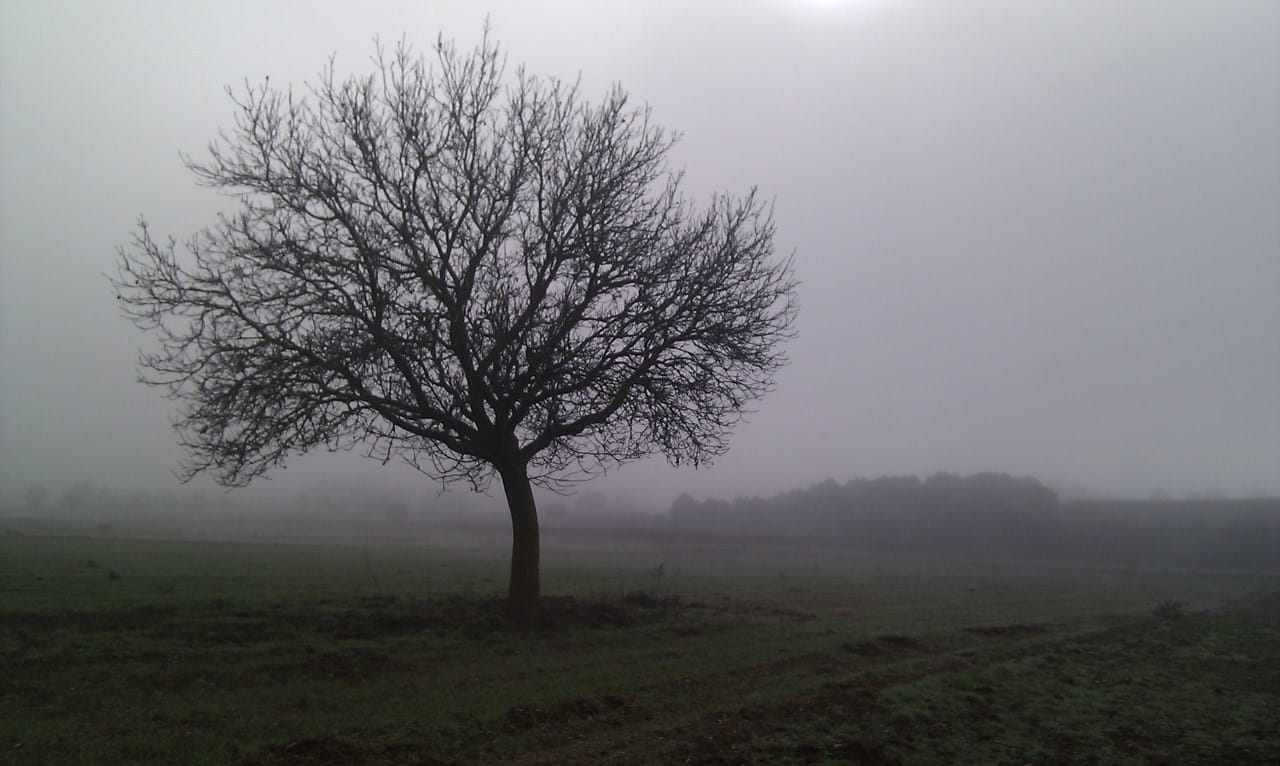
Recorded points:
(1038, 238)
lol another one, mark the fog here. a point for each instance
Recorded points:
(1038, 238)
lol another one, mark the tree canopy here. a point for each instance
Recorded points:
(469, 272)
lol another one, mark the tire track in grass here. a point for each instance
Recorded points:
(744, 735)
(717, 710)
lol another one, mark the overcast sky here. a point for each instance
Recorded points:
(1034, 237)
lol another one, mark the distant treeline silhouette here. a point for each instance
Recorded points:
(992, 514)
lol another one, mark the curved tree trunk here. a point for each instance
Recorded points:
(523, 590)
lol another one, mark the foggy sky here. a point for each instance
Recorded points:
(1033, 237)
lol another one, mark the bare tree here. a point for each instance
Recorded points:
(470, 273)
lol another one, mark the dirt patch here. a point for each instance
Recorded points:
(474, 618)
(522, 717)
(632, 610)
(343, 664)
(331, 751)
(135, 618)
(222, 624)
(313, 750)
(863, 648)
(899, 642)
(880, 646)
(755, 609)
(1008, 631)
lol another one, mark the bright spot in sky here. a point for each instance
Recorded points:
(830, 3)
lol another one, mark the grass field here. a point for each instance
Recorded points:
(153, 652)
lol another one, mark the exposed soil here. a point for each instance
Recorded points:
(1008, 631)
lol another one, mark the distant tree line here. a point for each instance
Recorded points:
(1216, 533)
(986, 512)
(86, 498)
(997, 515)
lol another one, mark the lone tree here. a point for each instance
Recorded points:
(469, 273)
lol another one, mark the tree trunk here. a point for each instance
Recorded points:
(523, 589)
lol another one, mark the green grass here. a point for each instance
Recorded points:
(152, 652)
